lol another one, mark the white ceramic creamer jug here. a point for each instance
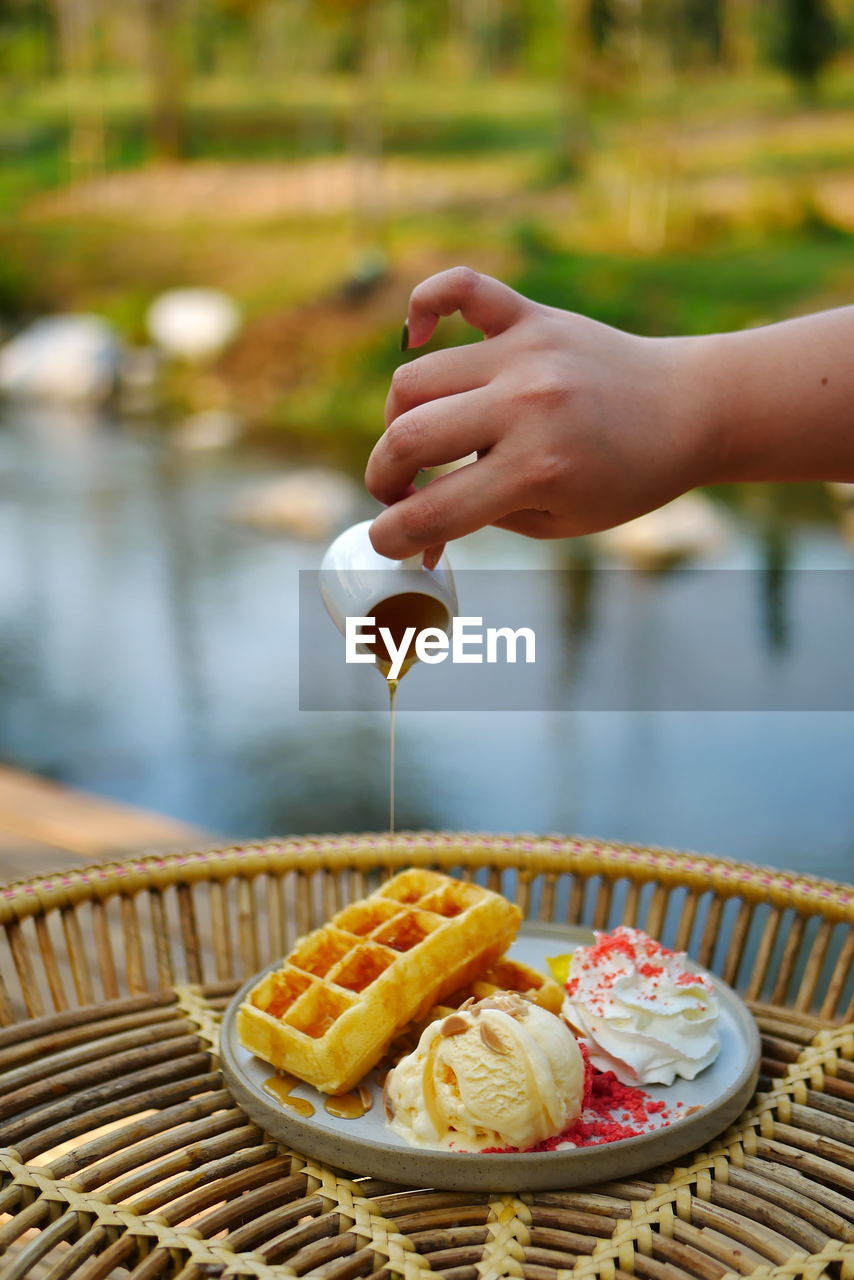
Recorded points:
(357, 582)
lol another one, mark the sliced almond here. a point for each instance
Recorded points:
(492, 1039)
(488, 1002)
(387, 1103)
(454, 1025)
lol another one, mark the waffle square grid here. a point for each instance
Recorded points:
(329, 1011)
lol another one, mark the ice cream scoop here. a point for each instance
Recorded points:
(641, 1011)
(499, 1073)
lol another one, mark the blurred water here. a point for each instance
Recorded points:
(148, 651)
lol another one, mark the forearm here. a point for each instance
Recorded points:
(778, 402)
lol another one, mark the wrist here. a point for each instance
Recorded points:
(695, 410)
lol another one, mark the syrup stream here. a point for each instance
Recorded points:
(392, 690)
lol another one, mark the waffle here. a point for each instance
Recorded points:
(505, 975)
(328, 1013)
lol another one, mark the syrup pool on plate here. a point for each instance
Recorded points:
(345, 1106)
(280, 1086)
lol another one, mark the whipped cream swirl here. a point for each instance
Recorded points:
(643, 1014)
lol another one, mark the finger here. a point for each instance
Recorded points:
(484, 302)
(440, 373)
(433, 555)
(447, 508)
(430, 436)
(530, 523)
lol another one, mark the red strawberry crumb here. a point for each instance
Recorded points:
(610, 1112)
(691, 980)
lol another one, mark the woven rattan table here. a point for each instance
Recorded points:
(123, 1154)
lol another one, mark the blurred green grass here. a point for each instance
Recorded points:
(242, 119)
(726, 287)
(694, 207)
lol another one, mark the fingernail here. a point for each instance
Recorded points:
(404, 336)
(431, 557)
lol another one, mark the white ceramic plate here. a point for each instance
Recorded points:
(368, 1147)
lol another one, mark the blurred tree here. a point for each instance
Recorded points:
(601, 19)
(70, 34)
(27, 46)
(425, 27)
(242, 8)
(167, 76)
(270, 37)
(703, 21)
(616, 33)
(809, 39)
(579, 59)
(363, 25)
(683, 34)
(76, 26)
(122, 38)
(242, 36)
(738, 32)
(508, 35)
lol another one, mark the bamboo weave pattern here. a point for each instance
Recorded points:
(122, 1153)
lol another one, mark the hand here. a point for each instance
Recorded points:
(576, 426)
